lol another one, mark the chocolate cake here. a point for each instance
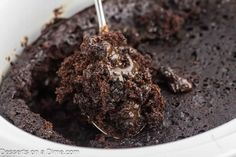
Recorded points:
(112, 85)
(196, 38)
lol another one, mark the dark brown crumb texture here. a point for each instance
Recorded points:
(196, 38)
(111, 84)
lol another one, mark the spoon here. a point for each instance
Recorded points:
(103, 27)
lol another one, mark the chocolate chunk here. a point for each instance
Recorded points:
(176, 83)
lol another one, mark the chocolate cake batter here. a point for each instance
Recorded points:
(195, 38)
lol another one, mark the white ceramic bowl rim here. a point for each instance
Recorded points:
(26, 18)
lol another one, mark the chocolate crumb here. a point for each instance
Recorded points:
(24, 41)
(58, 11)
(176, 83)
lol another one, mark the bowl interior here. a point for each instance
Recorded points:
(26, 18)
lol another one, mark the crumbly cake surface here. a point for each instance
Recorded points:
(200, 46)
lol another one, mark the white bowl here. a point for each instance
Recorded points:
(26, 18)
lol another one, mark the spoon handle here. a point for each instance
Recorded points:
(101, 17)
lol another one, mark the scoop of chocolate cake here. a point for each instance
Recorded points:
(112, 86)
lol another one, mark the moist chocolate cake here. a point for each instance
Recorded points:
(196, 38)
(112, 85)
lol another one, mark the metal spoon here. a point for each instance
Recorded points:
(101, 17)
(103, 27)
